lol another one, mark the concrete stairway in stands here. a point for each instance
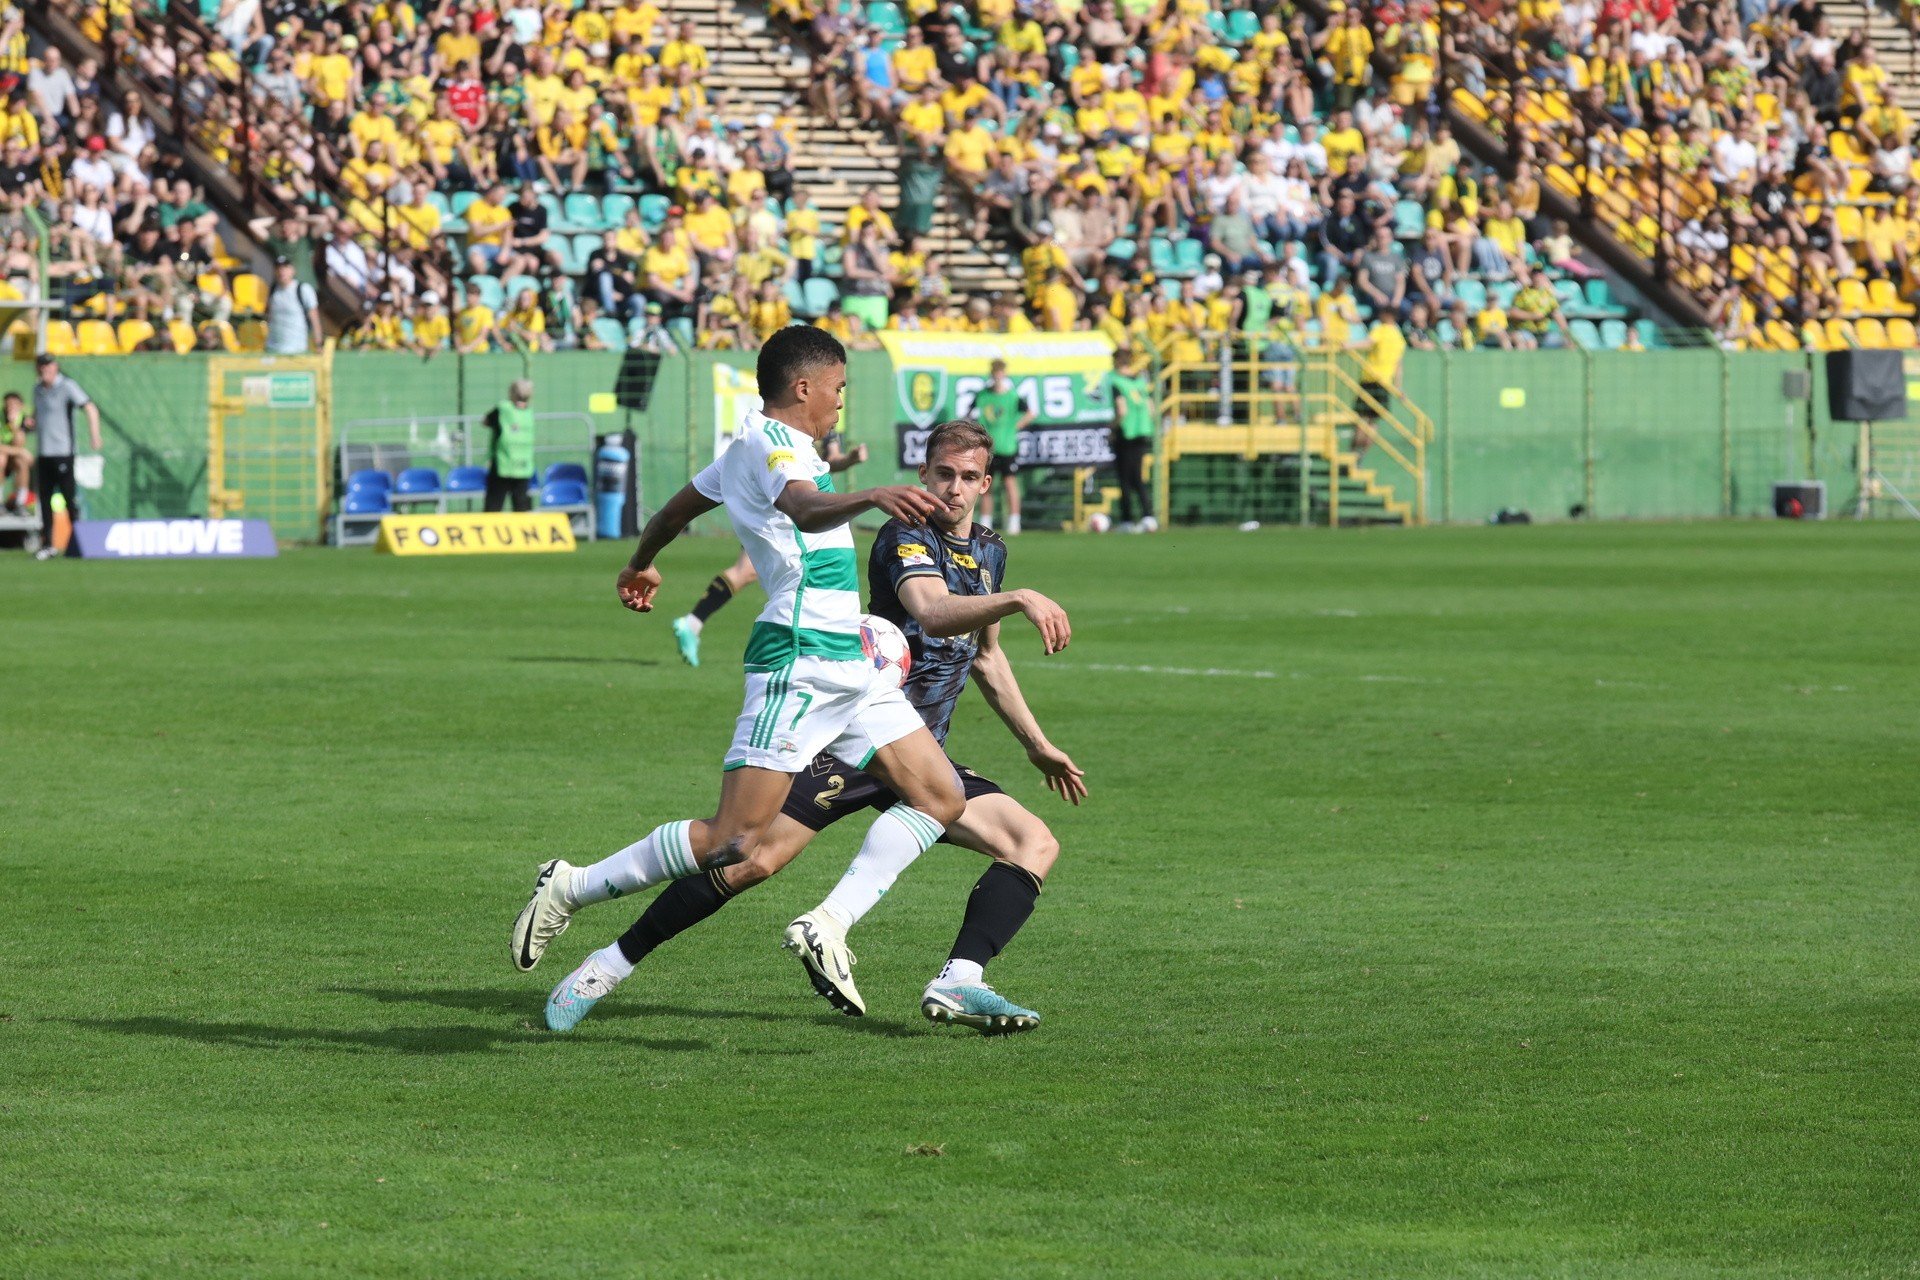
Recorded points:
(753, 71)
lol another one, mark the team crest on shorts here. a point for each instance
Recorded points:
(785, 746)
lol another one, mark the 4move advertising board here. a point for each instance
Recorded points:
(1061, 377)
(173, 539)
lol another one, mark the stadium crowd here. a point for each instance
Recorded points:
(483, 173)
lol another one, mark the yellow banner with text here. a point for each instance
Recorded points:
(475, 533)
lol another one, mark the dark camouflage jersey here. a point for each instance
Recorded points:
(975, 566)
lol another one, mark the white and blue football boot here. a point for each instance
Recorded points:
(976, 1005)
(577, 993)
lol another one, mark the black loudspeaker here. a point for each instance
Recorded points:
(1866, 386)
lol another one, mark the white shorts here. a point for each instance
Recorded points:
(815, 706)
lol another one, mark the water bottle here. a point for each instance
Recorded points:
(610, 487)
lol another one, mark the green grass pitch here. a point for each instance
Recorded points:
(1465, 902)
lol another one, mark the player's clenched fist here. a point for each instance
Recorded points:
(1048, 618)
(905, 502)
(636, 587)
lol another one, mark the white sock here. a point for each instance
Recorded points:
(1013, 524)
(665, 854)
(693, 624)
(895, 839)
(613, 960)
(961, 972)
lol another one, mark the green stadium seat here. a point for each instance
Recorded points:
(613, 209)
(1650, 336)
(1187, 256)
(1572, 301)
(1122, 250)
(1160, 256)
(1502, 291)
(636, 330)
(682, 330)
(611, 332)
(796, 300)
(1242, 25)
(1613, 334)
(585, 245)
(885, 16)
(820, 294)
(1585, 335)
(1600, 298)
(1409, 220)
(653, 210)
(460, 200)
(512, 286)
(492, 295)
(582, 213)
(1447, 334)
(1472, 292)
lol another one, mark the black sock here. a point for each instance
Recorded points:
(718, 593)
(680, 906)
(1000, 903)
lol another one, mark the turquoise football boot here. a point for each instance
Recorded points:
(688, 639)
(577, 993)
(976, 1005)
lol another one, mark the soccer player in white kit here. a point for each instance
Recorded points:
(809, 687)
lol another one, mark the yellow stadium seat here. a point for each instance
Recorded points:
(61, 340)
(1900, 335)
(1839, 334)
(252, 335)
(1845, 149)
(1562, 181)
(249, 293)
(1469, 104)
(1848, 221)
(1853, 297)
(211, 282)
(97, 338)
(133, 333)
(1871, 334)
(182, 334)
(94, 306)
(1884, 299)
(229, 340)
(1781, 337)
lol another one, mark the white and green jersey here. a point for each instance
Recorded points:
(812, 579)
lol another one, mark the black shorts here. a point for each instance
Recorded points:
(827, 791)
(1004, 464)
(1382, 396)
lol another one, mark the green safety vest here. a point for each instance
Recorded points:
(1000, 413)
(513, 443)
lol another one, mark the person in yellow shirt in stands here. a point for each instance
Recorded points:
(1341, 140)
(769, 312)
(473, 327)
(331, 74)
(635, 20)
(1059, 304)
(1508, 233)
(525, 324)
(1337, 313)
(17, 121)
(1490, 327)
(667, 272)
(593, 29)
(924, 117)
(869, 210)
(1126, 108)
(684, 51)
(381, 330)
(1269, 40)
(964, 102)
(803, 234)
(431, 329)
(370, 175)
(560, 147)
(488, 221)
(1348, 46)
(914, 64)
(418, 219)
(372, 124)
(1383, 350)
(969, 147)
(710, 228)
(1865, 82)
(542, 86)
(1020, 36)
(457, 46)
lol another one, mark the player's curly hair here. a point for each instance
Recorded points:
(958, 433)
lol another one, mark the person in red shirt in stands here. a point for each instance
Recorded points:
(468, 96)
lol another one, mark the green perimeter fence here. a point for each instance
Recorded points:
(1620, 435)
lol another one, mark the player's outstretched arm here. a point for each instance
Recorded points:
(639, 580)
(812, 509)
(993, 672)
(942, 613)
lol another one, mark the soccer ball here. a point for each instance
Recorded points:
(886, 648)
(1099, 522)
(1149, 525)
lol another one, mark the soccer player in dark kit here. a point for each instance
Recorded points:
(940, 582)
